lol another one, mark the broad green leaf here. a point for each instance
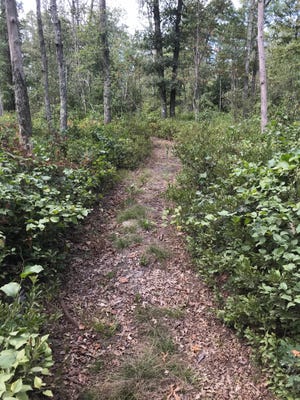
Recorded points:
(22, 396)
(283, 286)
(2, 389)
(11, 289)
(38, 383)
(286, 297)
(18, 342)
(21, 357)
(224, 213)
(36, 369)
(4, 377)
(54, 219)
(282, 165)
(48, 393)
(7, 358)
(31, 269)
(16, 386)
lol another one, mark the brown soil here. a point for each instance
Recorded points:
(120, 306)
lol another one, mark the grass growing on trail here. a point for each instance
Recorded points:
(123, 242)
(139, 376)
(136, 211)
(144, 314)
(105, 328)
(160, 253)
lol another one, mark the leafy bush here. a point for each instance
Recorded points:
(242, 215)
(40, 200)
(25, 355)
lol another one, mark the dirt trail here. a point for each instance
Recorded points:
(147, 324)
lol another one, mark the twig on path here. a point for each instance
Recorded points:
(69, 317)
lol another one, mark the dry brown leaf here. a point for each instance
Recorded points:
(173, 394)
(123, 279)
(295, 353)
(195, 348)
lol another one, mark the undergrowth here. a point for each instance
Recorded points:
(238, 200)
(41, 199)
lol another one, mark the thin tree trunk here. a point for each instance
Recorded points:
(176, 51)
(106, 63)
(44, 66)
(249, 49)
(1, 106)
(6, 81)
(21, 95)
(197, 59)
(61, 67)
(159, 58)
(262, 65)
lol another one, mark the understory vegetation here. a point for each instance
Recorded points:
(238, 200)
(41, 199)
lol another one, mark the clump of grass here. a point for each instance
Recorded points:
(136, 211)
(110, 275)
(146, 366)
(160, 253)
(144, 314)
(144, 260)
(122, 242)
(146, 224)
(97, 366)
(106, 329)
(144, 177)
(160, 338)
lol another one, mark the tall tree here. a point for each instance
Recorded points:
(6, 81)
(1, 105)
(251, 15)
(20, 88)
(61, 66)
(159, 58)
(44, 66)
(106, 63)
(176, 49)
(262, 64)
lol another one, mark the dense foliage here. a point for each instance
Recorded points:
(41, 198)
(238, 199)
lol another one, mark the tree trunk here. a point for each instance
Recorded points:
(21, 95)
(1, 106)
(106, 63)
(158, 46)
(61, 66)
(176, 50)
(6, 80)
(45, 73)
(249, 50)
(197, 60)
(262, 65)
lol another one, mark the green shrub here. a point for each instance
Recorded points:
(242, 215)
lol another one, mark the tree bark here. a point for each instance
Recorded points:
(1, 105)
(158, 47)
(20, 88)
(45, 72)
(6, 80)
(262, 65)
(61, 67)
(176, 51)
(249, 50)
(106, 63)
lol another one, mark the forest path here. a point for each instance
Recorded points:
(147, 323)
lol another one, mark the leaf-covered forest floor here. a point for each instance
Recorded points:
(136, 320)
